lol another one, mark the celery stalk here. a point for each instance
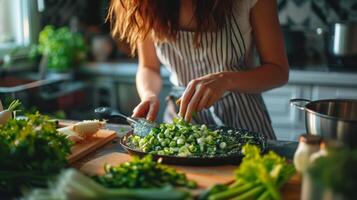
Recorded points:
(264, 196)
(154, 194)
(232, 192)
(250, 194)
(237, 183)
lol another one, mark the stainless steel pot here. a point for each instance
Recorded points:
(341, 45)
(330, 118)
(343, 39)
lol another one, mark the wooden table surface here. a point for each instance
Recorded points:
(290, 191)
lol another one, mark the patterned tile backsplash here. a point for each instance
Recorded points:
(303, 13)
(295, 15)
(61, 12)
(312, 14)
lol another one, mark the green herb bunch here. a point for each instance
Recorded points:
(142, 173)
(184, 139)
(31, 150)
(62, 48)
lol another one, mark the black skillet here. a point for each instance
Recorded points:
(231, 159)
(141, 127)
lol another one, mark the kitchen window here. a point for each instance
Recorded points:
(19, 26)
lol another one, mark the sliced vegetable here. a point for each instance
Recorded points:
(6, 115)
(72, 185)
(142, 173)
(184, 139)
(82, 130)
(87, 128)
(70, 134)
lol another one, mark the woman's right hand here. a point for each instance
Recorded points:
(148, 108)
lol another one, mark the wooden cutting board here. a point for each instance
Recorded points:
(204, 176)
(79, 150)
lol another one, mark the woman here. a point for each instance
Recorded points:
(207, 45)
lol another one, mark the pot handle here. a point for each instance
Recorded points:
(296, 103)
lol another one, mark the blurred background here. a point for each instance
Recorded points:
(57, 56)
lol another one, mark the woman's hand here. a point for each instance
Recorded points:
(147, 108)
(202, 93)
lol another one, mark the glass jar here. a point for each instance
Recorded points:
(308, 144)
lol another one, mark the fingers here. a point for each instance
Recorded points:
(210, 101)
(141, 109)
(186, 97)
(178, 102)
(204, 100)
(147, 109)
(154, 108)
(195, 98)
(193, 104)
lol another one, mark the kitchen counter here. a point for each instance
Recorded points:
(125, 70)
(290, 191)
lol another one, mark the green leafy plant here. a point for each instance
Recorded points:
(62, 48)
(31, 151)
(258, 177)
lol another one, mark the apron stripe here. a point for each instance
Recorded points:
(235, 44)
(255, 112)
(240, 33)
(230, 114)
(224, 50)
(175, 59)
(187, 58)
(206, 50)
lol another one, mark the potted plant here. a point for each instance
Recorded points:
(60, 49)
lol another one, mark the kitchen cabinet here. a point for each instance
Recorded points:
(104, 92)
(113, 85)
(286, 120)
(289, 122)
(325, 92)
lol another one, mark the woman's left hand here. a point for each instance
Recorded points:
(202, 93)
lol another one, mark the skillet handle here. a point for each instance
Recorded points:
(297, 103)
(130, 120)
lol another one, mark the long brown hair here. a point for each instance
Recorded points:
(132, 20)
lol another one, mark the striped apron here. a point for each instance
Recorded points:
(223, 50)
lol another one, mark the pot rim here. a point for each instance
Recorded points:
(307, 109)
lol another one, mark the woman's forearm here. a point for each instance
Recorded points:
(258, 80)
(148, 82)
